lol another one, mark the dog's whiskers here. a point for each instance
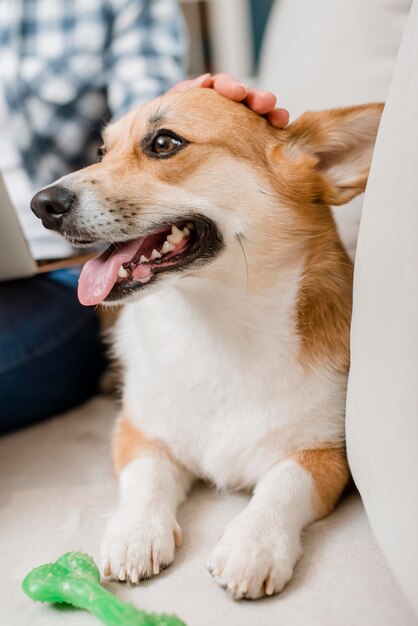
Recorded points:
(238, 236)
(268, 193)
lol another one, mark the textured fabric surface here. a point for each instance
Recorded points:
(332, 53)
(382, 407)
(57, 489)
(66, 67)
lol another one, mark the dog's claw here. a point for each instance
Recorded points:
(135, 575)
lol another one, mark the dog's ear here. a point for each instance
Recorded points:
(339, 144)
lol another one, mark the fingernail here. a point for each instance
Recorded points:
(200, 79)
(240, 84)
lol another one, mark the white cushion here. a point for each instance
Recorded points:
(333, 53)
(329, 53)
(57, 489)
(382, 408)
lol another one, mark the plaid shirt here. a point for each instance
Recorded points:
(67, 66)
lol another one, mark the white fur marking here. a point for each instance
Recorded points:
(257, 553)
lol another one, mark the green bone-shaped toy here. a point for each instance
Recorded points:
(75, 579)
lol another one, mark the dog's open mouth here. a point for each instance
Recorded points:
(126, 267)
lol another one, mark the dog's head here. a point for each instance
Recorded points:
(193, 184)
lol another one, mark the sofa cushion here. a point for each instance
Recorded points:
(332, 53)
(58, 489)
(382, 400)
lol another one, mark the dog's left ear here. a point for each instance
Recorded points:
(340, 145)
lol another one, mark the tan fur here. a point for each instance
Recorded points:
(324, 304)
(129, 442)
(299, 166)
(332, 139)
(303, 169)
(288, 288)
(329, 470)
(295, 162)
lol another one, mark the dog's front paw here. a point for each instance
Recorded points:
(254, 558)
(138, 543)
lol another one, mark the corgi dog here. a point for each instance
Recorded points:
(234, 331)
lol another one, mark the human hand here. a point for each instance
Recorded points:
(262, 102)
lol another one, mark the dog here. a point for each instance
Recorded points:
(234, 337)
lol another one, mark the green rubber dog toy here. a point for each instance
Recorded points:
(75, 579)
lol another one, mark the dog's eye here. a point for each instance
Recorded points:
(165, 144)
(100, 154)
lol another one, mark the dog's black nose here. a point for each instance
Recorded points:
(51, 204)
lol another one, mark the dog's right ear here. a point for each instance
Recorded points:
(338, 144)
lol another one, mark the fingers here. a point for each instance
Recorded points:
(205, 80)
(225, 84)
(261, 102)
(230, 87)
(278, 118)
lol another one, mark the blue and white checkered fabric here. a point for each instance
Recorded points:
(67, 66)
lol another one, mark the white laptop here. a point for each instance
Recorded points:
(16, 259)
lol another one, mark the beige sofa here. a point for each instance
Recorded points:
(332, 53)
(57, 488)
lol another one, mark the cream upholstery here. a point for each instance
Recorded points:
(57, 489)
(331, 53)
(382, 408)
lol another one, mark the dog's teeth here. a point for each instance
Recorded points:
(155, 255)
(186, 231)
(175, 237)
(177, 233)
(143, 259)
(122, 273)
(167, 247)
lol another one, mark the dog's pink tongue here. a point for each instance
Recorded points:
(99, 275)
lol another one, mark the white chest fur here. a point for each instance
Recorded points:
(216, 377)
